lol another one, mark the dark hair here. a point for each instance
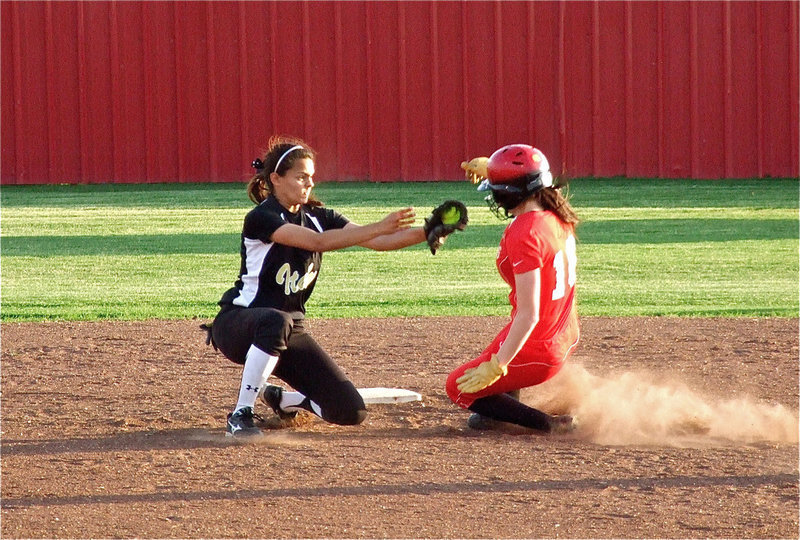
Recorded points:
(551, 198)
(260, 186)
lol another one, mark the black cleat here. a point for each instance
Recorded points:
(272, 397)
(478, 422)
(561, 424)
(240, 423)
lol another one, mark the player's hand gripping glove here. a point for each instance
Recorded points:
(443, 221)
(481, 376)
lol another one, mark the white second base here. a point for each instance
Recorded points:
(388, 395)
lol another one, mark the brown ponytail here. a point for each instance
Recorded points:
(551, 198)
(258, 188)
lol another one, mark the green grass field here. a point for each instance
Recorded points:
(168, 251)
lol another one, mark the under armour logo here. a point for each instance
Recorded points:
(251, 388)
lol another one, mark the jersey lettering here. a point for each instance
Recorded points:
(292, 282)
(565, 262)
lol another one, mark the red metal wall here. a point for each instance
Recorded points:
(190, 91)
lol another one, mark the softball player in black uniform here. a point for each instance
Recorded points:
(260, 322)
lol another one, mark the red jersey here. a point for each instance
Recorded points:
(540, 239)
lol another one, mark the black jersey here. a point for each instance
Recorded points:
(274, 275)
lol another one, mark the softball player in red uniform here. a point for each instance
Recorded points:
(537, 259)
(261, 321)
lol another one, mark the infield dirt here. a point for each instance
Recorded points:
(689, 429)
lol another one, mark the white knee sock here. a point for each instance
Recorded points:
(295, 401)
(258, 366)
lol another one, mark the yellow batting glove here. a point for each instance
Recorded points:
(481, 376)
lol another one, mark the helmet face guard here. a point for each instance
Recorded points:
(505, 196)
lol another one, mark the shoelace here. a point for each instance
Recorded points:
(249, 414)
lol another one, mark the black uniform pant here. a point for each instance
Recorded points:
(302, 363)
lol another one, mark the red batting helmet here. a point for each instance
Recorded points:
(515, 172)
(519, 163)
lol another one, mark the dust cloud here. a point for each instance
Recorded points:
(638, 409)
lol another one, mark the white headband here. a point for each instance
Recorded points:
(292, 149)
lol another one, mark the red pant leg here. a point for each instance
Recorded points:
(536, 362)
